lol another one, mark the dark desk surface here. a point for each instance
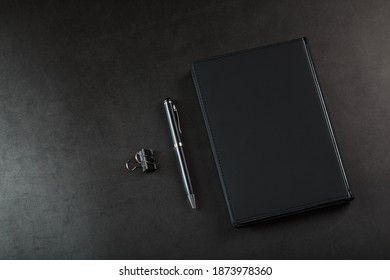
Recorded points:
(81, 86)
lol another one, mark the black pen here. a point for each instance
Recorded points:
(174, 127)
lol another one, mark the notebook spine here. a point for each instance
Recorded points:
(327, 118)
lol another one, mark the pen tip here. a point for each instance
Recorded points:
(191, 198)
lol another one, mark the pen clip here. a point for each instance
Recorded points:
(177, 117)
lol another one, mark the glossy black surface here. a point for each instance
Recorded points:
(81, 86)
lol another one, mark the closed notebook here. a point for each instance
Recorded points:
(270, 132)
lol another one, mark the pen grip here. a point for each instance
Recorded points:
(179, 151)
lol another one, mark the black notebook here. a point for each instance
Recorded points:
(270, 133)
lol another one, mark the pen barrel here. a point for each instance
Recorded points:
(178, 145)
(173, 125)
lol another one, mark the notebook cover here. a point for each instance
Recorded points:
(270, 133)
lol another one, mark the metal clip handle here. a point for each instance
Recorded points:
(177, 117)
(144, 159)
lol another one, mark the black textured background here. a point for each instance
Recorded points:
(81, 86)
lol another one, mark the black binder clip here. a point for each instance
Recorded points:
(144, 159)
